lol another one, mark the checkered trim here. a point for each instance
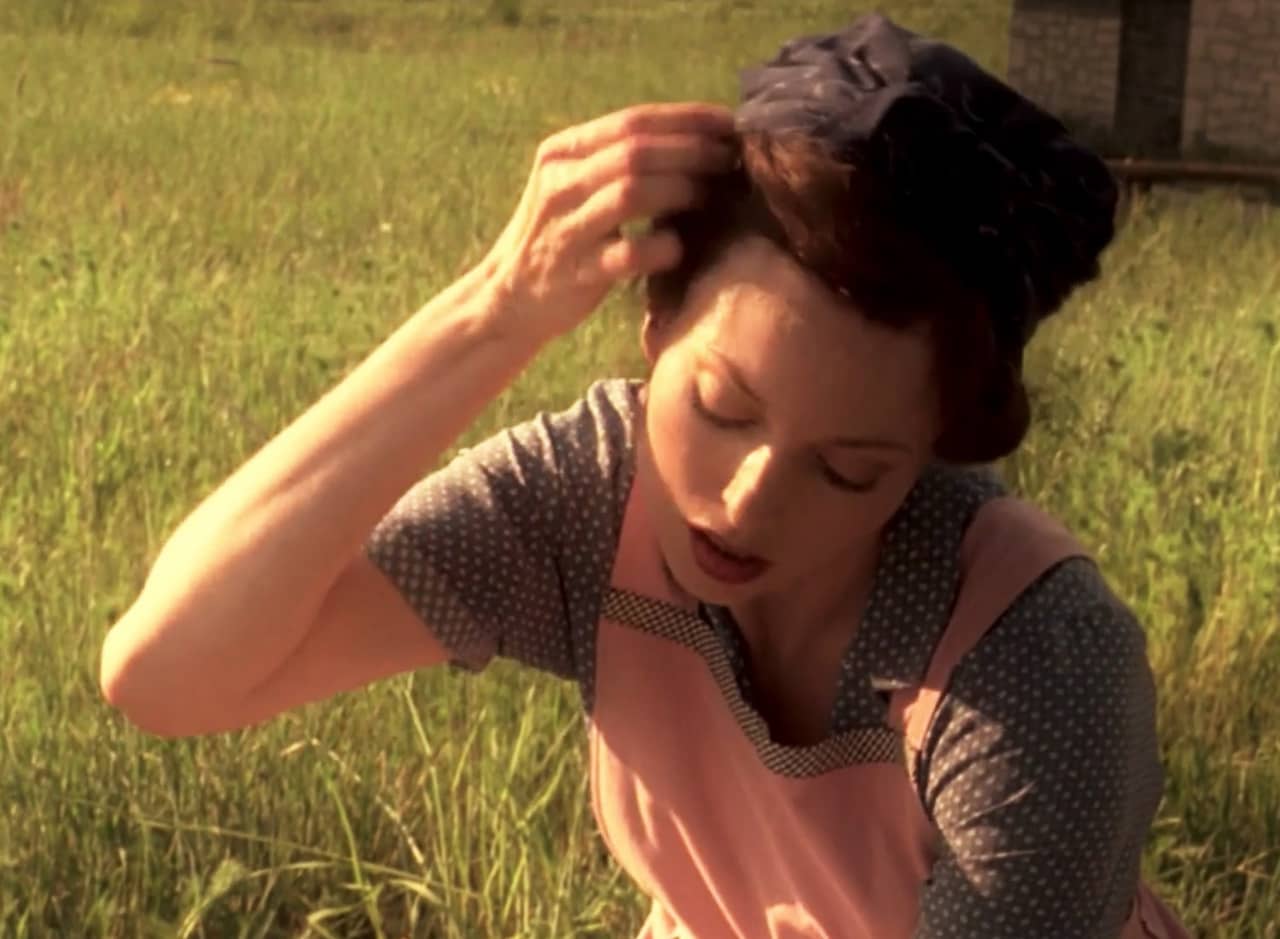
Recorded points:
(874, 744)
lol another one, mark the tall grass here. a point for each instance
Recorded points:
(209, 212)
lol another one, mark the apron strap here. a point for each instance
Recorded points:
(1007, 547)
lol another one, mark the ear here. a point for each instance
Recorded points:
(652, 339)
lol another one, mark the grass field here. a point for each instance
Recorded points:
(209, 212)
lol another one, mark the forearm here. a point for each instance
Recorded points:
(236, 586)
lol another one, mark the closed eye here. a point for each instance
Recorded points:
(716, 419)
(725, 423)
(841, 483)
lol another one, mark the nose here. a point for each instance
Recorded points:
(749, 496)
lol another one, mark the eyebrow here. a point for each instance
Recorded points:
(860, 443)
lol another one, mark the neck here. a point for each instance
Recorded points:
(826, 604)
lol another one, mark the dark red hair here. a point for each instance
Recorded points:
(837, 219)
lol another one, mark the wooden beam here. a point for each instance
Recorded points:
(1185, 171)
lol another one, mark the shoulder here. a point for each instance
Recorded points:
(1066, 618)
(582, 450)
(1068, 622)
(590, 448)
(1067, 653)
(521, 470)
(596, 432)
(1041, 769)
(592, 434)
(540, 502)
(1062, 674)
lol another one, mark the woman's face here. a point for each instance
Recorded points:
(784, 421)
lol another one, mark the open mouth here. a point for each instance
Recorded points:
(721, 564)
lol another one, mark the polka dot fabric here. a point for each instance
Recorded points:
(1040, 770)
(507, 550)
(911, 596)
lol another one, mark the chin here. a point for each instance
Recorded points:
(676, 573)
(693, 582)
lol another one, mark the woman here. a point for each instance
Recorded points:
(838, 682)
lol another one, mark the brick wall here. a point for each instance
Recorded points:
(1233, 79)
(1064, 55)
(1116, 72)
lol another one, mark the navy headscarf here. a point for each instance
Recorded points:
(1016, 207)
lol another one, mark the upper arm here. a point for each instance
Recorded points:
(505, 551)
(363, 631)
(499, 552)
(1042, 774)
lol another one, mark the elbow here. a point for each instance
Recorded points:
(151, 722)
(114, 680)
(170, 723)
(127, 685)
(125, 691)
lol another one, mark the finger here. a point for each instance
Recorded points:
(689, 117)
(657, 155)
(568, 185)
(639, 256)
(634, 197)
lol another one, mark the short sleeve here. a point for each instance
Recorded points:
(507, 549)
(1042, 771)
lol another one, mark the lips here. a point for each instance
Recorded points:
(719, 564)
(727, 547)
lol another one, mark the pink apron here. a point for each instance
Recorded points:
(734, 835)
